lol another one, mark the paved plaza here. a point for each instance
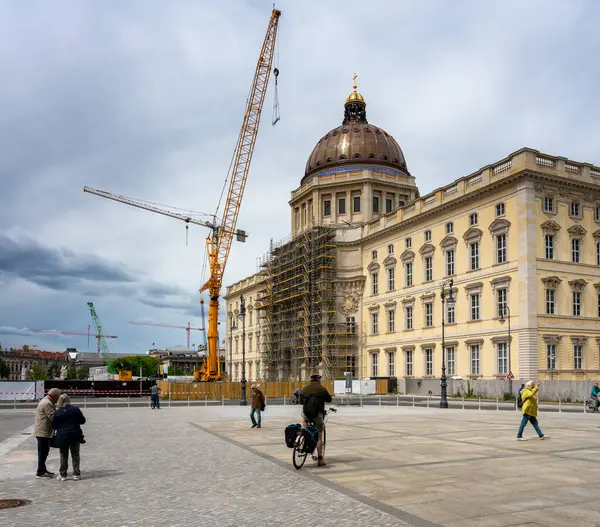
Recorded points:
(386, 466)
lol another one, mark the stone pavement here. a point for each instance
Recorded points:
(160, 468)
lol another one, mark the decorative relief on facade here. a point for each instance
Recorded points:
(472, 342)
(373, 266)
(551, 339)
(350, 302)
(407, 348)
(597, 286)
(428, 345)
(448, 243)
(390, 304)
(427, 250)
(407, 256)
(474, 288)
(374, 307)
(550, 227)
(499, 226)
(551, 282)
(578, 284)
(408, 301)
(502, 282)
(427, 298)
(596, 235)
(501, 338)
(390, 261)
(472, 235)
(576, 230)
(578, 340)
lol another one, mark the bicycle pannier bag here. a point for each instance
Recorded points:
(291, 431)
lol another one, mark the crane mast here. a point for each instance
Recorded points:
(219, 244)
(102, 347)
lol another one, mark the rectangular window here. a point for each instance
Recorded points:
(576, 303)
(390, 249)
(409, 274)
(575, 209)
(427, 236)
(428, 361)
(375, 283)
(391, 279)
(550, 246)
(551, 356)
(501, 248)
(356, 204)
(501, 297)
(389, 204)
(475, 370)
(392, 364)
(449, 227)
(373, 255)
(450, 362)
(391, 321)
(450, 263)
(409, 364)
(375, 364)
(475, 306)
(474, 255)
(550, 302)
(408, 314)
(502, 358)
(575, 250)
(374, 323)
(408, 243)
(351, 325)
(428, 315)
(450, 314)
(375, 204)
(548, 204)
(599, 309)
(500, 209)
(578, 357)
(473, 219)
(327, 207)
(597, 216)
(597, 253)
(428, 268)
(342, 206)
(297, 218)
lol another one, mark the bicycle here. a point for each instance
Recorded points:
(298, 454)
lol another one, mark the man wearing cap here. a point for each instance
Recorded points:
(43, 430)
(314, 389)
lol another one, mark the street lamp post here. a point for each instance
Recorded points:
(232, 326)
(505, 308)
(450, 301)
(243, 400)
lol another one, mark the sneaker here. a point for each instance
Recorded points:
(258, 426)
(61, 478)
(253, 426)
(45, 475)
(543, 437)
(521, 439)
(76, 478)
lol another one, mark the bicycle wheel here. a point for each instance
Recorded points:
(298, 456)
(324, 442)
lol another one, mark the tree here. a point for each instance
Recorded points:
(4, 370)
(71, 374)
(148, 365)
(82, 374)
(37, 373)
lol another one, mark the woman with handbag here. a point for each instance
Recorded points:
(68, 437)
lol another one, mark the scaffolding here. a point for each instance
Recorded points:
(297, 309)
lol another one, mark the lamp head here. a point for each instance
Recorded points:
(450, 300)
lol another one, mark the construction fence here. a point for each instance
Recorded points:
(230, 390)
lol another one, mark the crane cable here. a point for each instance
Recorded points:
(276, 115)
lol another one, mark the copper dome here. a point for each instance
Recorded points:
(355, 142)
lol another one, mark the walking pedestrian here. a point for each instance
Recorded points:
(69, 436)
(258, 405)
(154, 396)
(43, 430)
(529, 410)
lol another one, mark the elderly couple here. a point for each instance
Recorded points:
(57, 421)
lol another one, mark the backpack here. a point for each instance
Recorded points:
(291, 432)
(311, 407)
(311, 437)
(519, 401)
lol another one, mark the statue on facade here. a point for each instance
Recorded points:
(23, 373)
(63, 371)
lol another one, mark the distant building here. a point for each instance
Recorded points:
(188, 360)
(20, 361)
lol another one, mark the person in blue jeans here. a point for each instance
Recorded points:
(529, 410)
(258, 405)
(154, 395)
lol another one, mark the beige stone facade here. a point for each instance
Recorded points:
(519, 237)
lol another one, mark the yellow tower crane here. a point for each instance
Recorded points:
(219, 240)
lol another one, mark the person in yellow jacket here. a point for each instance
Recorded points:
(530, 406)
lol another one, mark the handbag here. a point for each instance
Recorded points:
(53, 440)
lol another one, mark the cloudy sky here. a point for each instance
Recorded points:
(145, 98)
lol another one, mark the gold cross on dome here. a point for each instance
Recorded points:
(354, 80)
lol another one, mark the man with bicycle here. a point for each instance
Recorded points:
(313, 397)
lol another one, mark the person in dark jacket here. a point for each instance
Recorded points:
(315, 389)
(67, 423)
(258, 405)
